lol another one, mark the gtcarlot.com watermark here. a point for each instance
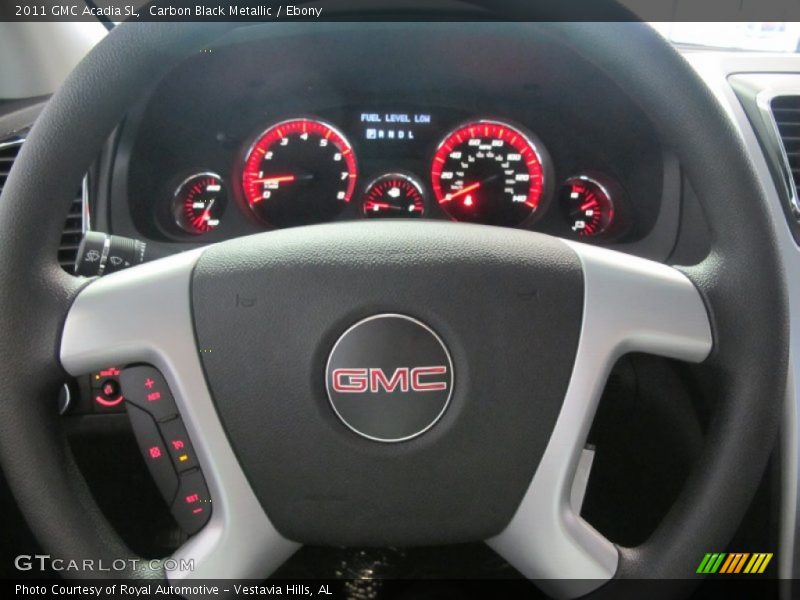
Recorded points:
(45, 562)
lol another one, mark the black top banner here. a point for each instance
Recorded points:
(115, 11)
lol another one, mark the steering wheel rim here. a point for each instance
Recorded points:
(748, 360)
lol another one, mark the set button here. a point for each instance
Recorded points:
(192, 505)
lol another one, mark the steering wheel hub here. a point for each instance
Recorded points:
(389, 378)
(324, 310)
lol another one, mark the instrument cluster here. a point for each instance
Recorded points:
(390, 164)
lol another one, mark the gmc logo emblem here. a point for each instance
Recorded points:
(418, 379)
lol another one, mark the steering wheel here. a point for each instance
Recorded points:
(519, 331)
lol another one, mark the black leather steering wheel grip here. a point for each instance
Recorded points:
(740, 284)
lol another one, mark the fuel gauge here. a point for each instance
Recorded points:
(394, 195)
(199, 202)
(587, 203)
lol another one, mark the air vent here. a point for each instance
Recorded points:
(73, 228)
(72, 235)
(8, 153)
(786, 112)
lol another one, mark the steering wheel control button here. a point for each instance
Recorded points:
(389, 378)
(178, 445)
(110, 388)
(145, 387)
(154, 452)
(192, 505)
(106, 391)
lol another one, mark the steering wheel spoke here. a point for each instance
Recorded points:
(630, 305)
(143, 315)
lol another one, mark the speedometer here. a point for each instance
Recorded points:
(298, 172)
(488, 172)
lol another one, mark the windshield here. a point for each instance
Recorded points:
(751, 36)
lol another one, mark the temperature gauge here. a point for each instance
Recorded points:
(199, 203)
(588, 205)
(394, 195)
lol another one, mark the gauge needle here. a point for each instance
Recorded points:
(462, 191)
(206, 216)
(276, 179)
(378, 205)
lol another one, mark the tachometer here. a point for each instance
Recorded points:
(298, 172)
(488, 172)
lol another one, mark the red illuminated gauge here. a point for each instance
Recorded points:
(488, 172)
(588, 205)
(199, 203)
(394, 196)
(298, 172)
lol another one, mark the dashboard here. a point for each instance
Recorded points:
(304, 170)
(231, 144)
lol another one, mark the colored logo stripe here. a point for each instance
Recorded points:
(710, 563)
(733, 563)
(758, 563)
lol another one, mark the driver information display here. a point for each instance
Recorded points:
(393, 125)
